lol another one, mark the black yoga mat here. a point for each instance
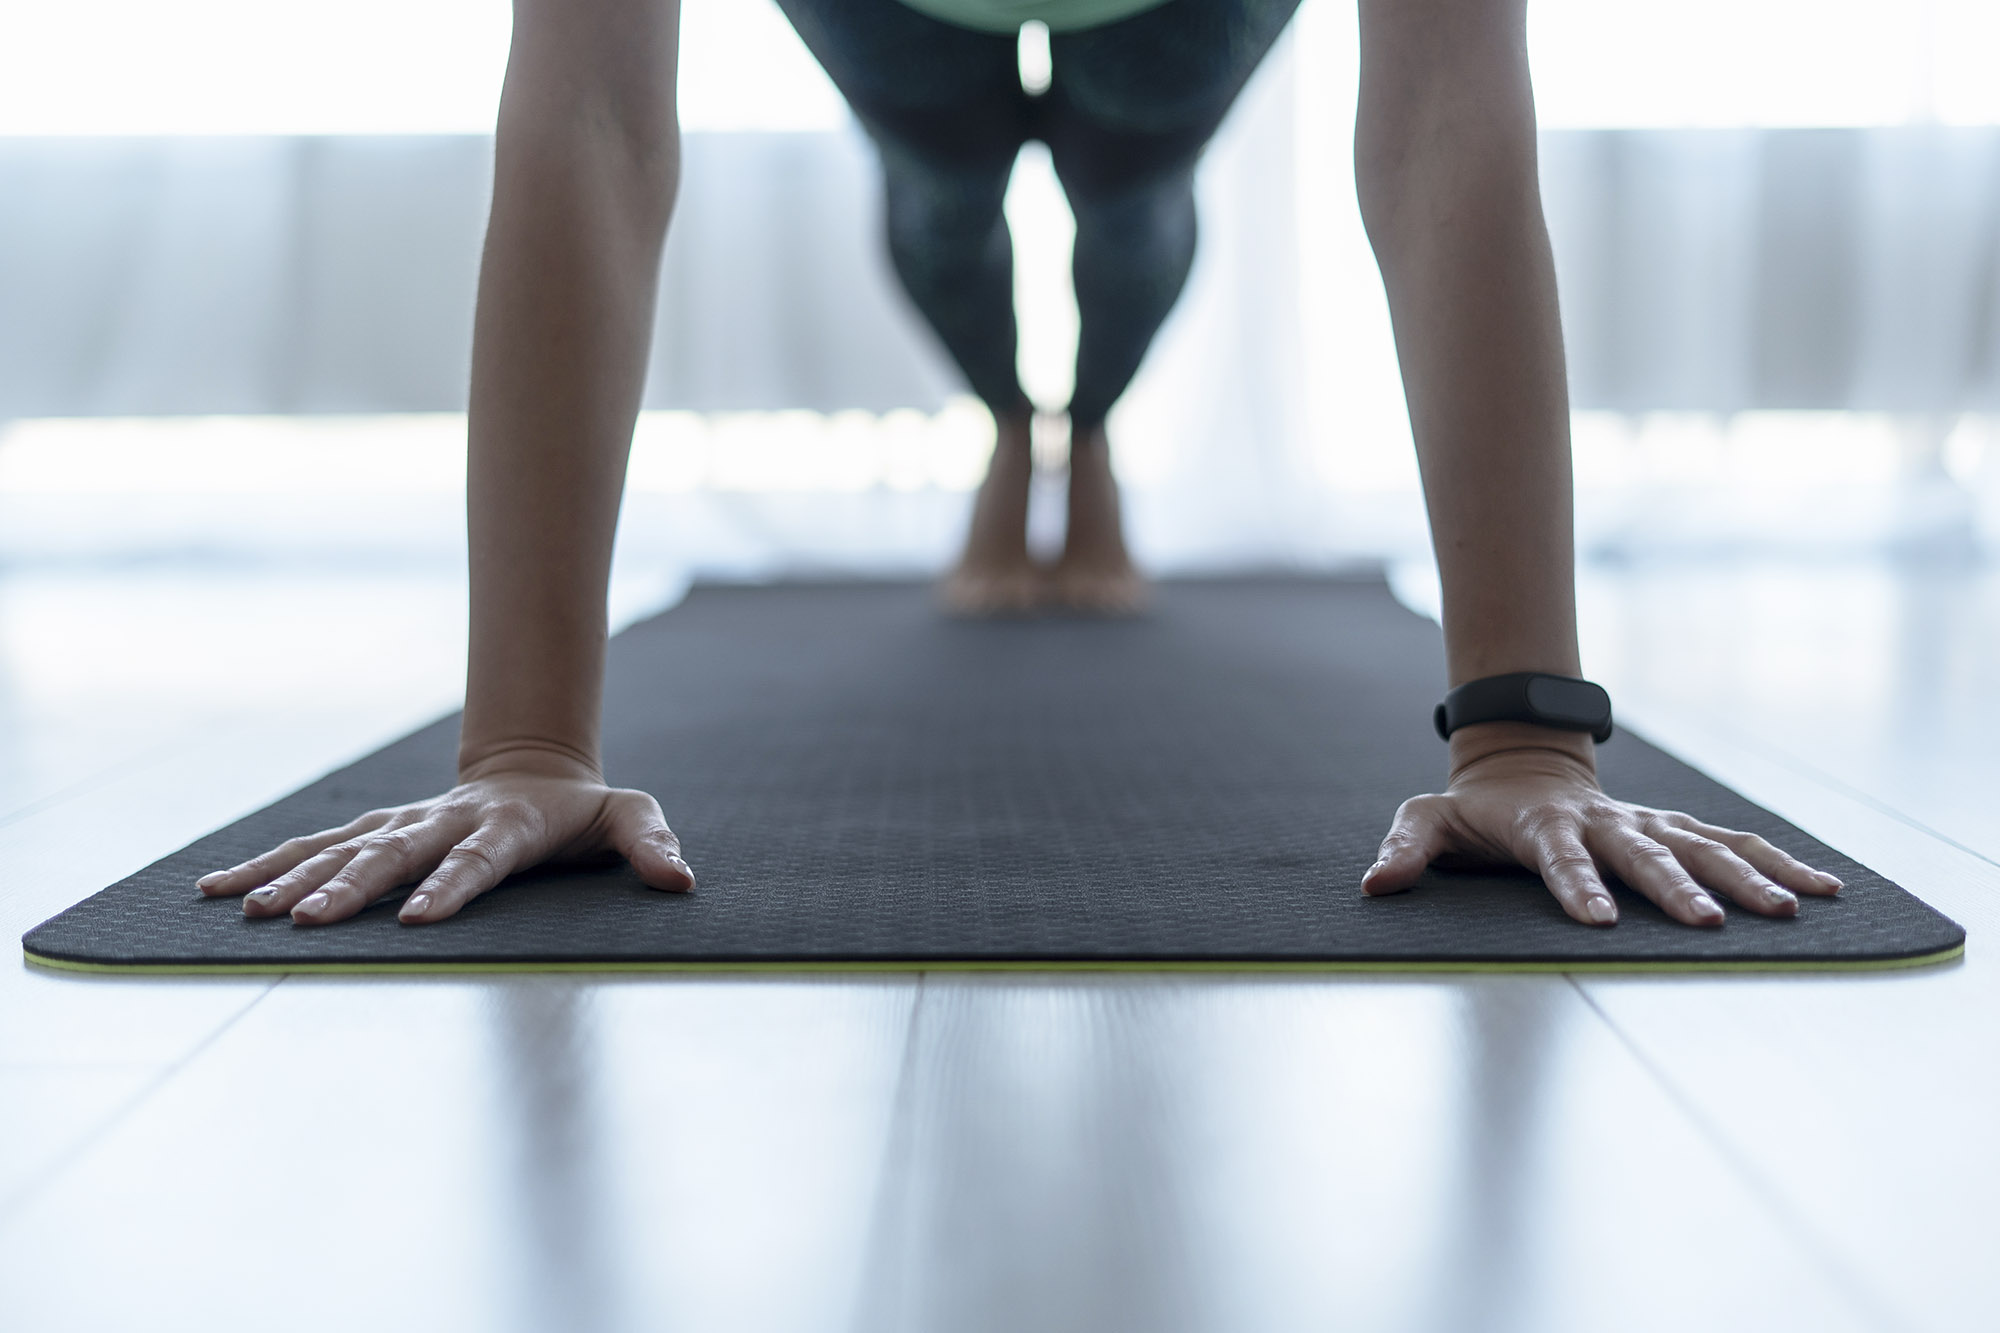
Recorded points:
(860, 781)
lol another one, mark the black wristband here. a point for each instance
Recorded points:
(1562, 702)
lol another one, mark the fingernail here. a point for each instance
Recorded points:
(1781, 896)
(1832, 881)
(264, 895)
(213, 877)
(1600, 910)
(1705, 908)
(1372, 871)
(314, 904)
(416, 906)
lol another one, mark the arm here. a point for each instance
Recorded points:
(1445, 168)
(586, 164)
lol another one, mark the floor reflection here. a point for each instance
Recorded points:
(1233, 1156)
(1033, 1183)
(568, 1267)
(1487, 1243)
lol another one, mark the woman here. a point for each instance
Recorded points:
(586, 170)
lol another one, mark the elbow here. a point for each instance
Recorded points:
(588, 115)
(624, 172)
(1445, 124)
(636, 139)
(1381, 173)
(653, 179)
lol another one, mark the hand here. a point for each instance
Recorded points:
(1540, 807)
(460, 845)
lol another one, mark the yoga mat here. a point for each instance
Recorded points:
(862, 782)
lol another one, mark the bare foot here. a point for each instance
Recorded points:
(1095, 574)
(995, 577)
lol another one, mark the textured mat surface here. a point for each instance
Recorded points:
(859, 780)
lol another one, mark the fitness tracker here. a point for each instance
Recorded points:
(1563, 702)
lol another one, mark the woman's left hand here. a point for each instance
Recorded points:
(1539, 806)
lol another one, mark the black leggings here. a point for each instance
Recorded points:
(1131, 106)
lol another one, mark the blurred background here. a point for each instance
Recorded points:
(238, 244)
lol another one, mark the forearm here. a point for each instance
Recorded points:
(583, 184)
(1445, 161)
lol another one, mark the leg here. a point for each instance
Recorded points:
(945, 108)
(1133, 252)
(1131, 108)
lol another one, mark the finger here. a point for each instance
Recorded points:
(1558, 855)
(1773, 862)
(386, 860)
(285, 892)
(1727, 873)
(287, 855)
(1653, 870)
(492, 852)
(639, 832)
(1419, 834)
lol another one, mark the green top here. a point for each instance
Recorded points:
(1009, 15)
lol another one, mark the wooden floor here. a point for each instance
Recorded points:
(936, 1152)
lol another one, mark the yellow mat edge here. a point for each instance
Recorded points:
(974, 965)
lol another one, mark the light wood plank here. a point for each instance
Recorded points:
(1879, 675)
(1866, 1103)
(546, 1153)
(52, 1112)
(1282, 1154)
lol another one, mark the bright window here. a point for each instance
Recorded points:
(434, 66)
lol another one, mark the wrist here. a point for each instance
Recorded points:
(1483, 745)
(536, 756)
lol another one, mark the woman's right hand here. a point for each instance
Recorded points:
(459, 845)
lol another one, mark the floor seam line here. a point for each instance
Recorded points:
(23, 1196)
(1802, 769)
(882, 1205)
(1818, 1247)
(102, 778)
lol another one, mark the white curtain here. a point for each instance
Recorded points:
(1731, 270)
(240, 275)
